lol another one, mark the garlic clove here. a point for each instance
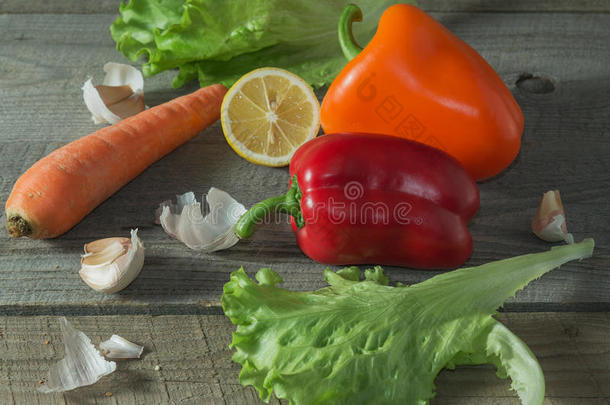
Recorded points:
(111, 264)
(214, 231)
(82, 364)
(550, 221)
(120, 96)
(120, 348)
(104, 251)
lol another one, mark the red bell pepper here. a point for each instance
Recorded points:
(375, 199)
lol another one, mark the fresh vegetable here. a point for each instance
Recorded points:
(367, 198)
(220, 41)
(363, 342)
(268, 114)
(550, 221)
(417, 80)
(60, 189)
(111, 264)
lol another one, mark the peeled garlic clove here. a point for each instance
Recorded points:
(120, 96)
(82, 364)
(214, 231)
(550, 221)
(111, 264)
(119, 348)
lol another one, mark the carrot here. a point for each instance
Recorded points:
(62, 188)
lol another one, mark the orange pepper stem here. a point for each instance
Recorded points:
(350, 48)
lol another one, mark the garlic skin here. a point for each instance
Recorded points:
(120, 348)
(185, 221)
(120, 96)
(550, 221)
(82, 364)
(109, 265)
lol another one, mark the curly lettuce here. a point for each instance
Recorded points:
(219, 41)
(362, 342)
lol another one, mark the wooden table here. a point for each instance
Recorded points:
(553, 55)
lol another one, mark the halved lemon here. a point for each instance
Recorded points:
(268, 114)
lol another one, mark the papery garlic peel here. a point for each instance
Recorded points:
(121, 95)
(550, 221)
(120, 348)
(82, 364)
(111, 264)
(185, 221)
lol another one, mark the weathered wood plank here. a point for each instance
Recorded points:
(112, 6)
(44, 59)
(195, 367)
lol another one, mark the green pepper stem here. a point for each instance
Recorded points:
(350, 48)
(289, 203)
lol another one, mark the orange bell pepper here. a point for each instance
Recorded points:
(417, 80)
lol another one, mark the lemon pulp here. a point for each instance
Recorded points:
(268, 114)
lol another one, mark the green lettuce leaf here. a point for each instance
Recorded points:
(363, 342)
(219, 41)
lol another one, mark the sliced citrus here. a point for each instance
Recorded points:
(268, 114)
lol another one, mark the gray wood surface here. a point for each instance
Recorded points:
(46, 58)
(195, 364)
(553, 55)
(111, 6)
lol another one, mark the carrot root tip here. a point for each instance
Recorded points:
(17, 227)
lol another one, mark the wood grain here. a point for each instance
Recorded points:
(112, 6)
(44, 59)
(195, 364)
(553, 55)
